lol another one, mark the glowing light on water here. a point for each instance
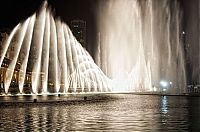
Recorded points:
(164, 105)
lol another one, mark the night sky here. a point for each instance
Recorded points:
(13, 11)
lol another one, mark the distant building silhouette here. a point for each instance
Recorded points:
(3, 36)
(191, 40)
(10, 53)
(78, 28)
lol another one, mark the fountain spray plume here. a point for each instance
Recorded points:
(11, 67)
(142, 46)
(47, 51)
(7, 43)
(62, 54)
(27, 44)
(38, 39)
(45, 55)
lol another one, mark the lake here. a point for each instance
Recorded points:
(124, 112)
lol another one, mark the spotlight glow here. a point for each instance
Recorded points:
(164, 84)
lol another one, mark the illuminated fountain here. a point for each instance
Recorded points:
(140, 50)
(140, 45)
(49, 58)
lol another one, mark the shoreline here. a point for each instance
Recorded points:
(76, 98)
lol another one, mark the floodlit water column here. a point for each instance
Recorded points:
(11, 67)
(55, 55)
(7, 43)
(46, 48)
(62, 54)
(27, 42)
(39, 33)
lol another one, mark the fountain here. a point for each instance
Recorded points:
(139, 50)
(48, 59)
(140, 45)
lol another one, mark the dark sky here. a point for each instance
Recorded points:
(13, 11)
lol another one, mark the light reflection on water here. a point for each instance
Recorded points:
(129, 112)
(164, 104)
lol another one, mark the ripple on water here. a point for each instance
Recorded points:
(132, 113)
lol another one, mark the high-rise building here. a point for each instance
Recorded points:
(191, 39)
(3, 36)
(78, 28)
(10, 52)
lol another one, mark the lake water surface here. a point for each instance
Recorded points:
(127, 112)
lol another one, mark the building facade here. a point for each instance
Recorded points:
(192, 40)
(78, 28)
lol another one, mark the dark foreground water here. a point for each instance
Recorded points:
(127, 113)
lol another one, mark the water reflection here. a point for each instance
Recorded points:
(164, 115)
(194, 119)
(164, 105)
(129, 112)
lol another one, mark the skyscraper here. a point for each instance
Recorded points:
(78, 28)
(191, 39)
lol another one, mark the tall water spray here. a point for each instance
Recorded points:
(142, 46)
(139, 49)
(46, 51)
